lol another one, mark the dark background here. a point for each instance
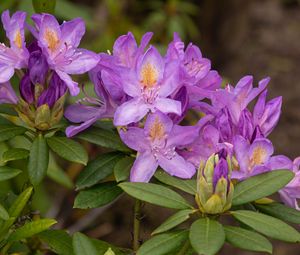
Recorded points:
(258, 37)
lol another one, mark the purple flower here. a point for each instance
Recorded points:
(88, 110)
(7, 94)
(156, 146)
(237, 98)
(291, 192)
(125, 49)
(15, 57)
(252, 158)
(266, 115)
(149, 85)
(59, 43)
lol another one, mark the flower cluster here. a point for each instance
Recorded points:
(148, 96)
(44, 67)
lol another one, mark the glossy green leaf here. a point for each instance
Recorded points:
(207, 236)
(262, 185)
(173, 221)
(163, 243)
(109, 252)
(122, 168)
(247, 240)
(280, 211)
(68, 149)
(15, 210)
(3, 213)
(46, 6)
(102, 247)
(58, 240)
(155, 194)
(104, 138)
(15, 154)
(97, 196)
(267, 225)
(98, 169)
(7, 173)
(188, 186)
(38, 160)
(30, 229)
(9, 131)
(82, 245)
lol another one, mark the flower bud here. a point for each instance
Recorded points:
(214, 187)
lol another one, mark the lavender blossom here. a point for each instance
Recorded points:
(15, 56)
(156, 146)
(59, 43)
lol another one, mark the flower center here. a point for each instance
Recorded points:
(18, 39)
(149, 76)
(258, 156)
(193, 67)
(157, 131)
(51, 39)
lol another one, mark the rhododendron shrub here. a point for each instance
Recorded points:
(223, 164)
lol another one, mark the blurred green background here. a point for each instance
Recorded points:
(258, 37)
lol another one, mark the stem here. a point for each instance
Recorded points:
(184, 248)
(136, 225)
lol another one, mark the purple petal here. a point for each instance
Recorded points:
(167, 105)
(7, 94)
(260, 151)
(144, 41)
(74, 130)
(135, 139)
(158, 123)
(38, 67)
(143, 168)
(80, 113)
(170, 81)
(129, 112)
(49, 35)
(280, 162)
(27, 89)
(72, 85)
(124, 49)
(6, 72)
(177, 166)
(150, 68)
(80, 62)
(241, 148)
(72, 31)
(182, 135)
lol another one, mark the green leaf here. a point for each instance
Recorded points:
(267, 225)
(173, 221)
(38, 160)
(30, 229)
(97, 196)
(46, 6)
(102, 247)
(122, 168)
(3, 213)
(18, 205)
(104, 138)
(247, 240)
(68, 149)
(82, 245)
(280, 211)
(97, 169)
(163, 243)
(15, 210)
(207, 236)
(7, 173)
(109, 252)
(9, 131)
(260, 186)
(188, 186)
(15, 154)
(155, 194)
(58, 240)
